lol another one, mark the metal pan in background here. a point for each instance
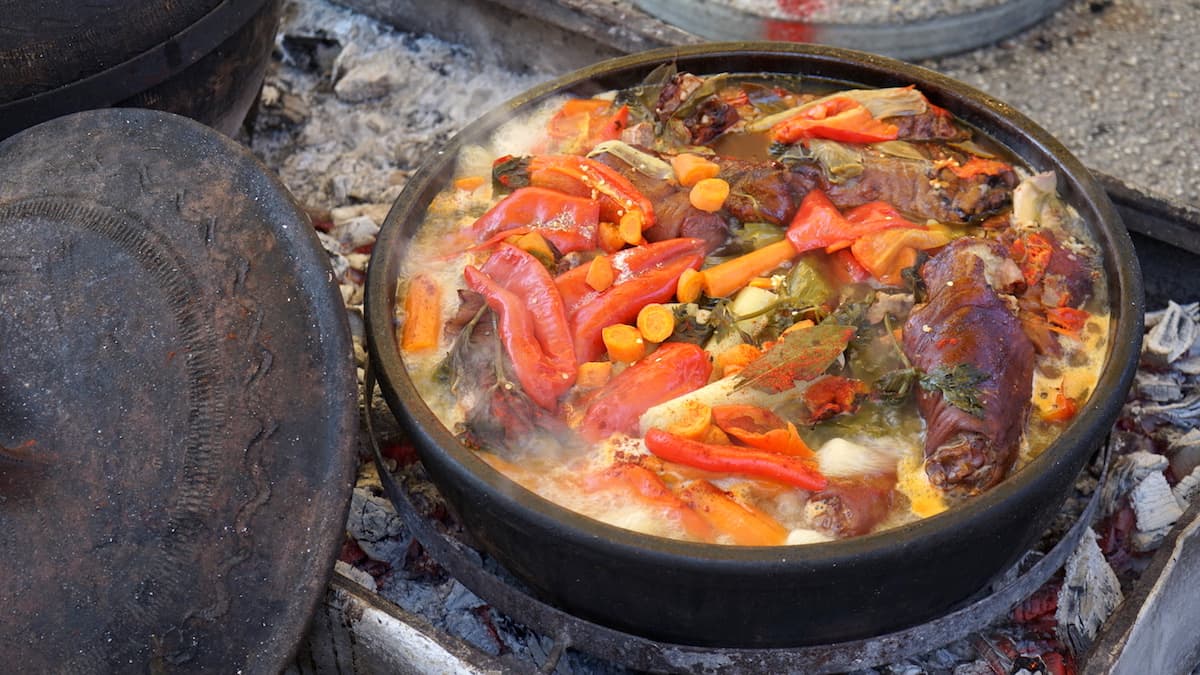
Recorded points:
(177, 402)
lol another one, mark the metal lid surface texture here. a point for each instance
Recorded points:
(177, 402)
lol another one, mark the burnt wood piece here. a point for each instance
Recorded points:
(178, 374)
(966, 322)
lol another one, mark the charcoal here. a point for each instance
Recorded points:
(1187, 489)
(1161, 387)
(1126, 473)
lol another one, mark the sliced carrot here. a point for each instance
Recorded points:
(691, 168)
(745, 526)
(600, 273)
(709, 194)
(624, 342)
(656, 322)
(422, 315)
(593, 374)
(691, 284)
(536, 245)
(630, 227)
(736, 358)
(469, 183)
(732, 275)
(799, 325)
(695, 422)
(608, 235)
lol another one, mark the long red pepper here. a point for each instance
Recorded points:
(579, 176)
(734, 459)
(567, 221)
(672, 370)
(627, 263)
(622, 302)
(533, 324)
(838, 119)
(819, 224)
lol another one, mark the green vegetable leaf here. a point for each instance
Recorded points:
(959, 385)
(799, 356)
(895, 386)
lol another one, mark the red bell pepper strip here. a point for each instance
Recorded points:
(732, 459)
(1032, 254)
(566, 221)
(819, 224)
(627, 263)
(579, 176)
(672, 370)
(533, 325)
(760, 428)
(580, 124)
(621, 302)
(1066, 320)
(839, 118)
(642, 484)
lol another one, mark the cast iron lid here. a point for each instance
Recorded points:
(177, 401)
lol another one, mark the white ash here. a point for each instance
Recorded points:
(1156, 510)
(374, 524)
(1172, 333)
(1090, 592)
(356, 575)
(1126, 473)
(1187, 489)
(1184, 452)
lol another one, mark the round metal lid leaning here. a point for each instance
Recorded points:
(177, 401)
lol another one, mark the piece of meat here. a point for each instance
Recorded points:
(966, 321)
(933, 124)
(705, 120)
(766, 192)
(919, 189)
(673, 211)
(849, 508)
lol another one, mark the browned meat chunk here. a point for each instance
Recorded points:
(933, 124)
(921, 190)
(967, 322)
(849, 508)
(766, 192)
(703, 117)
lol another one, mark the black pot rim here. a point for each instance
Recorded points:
(993, 116)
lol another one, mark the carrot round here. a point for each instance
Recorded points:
(608, 235)
(691, 168)
(422, 315)
(691, 284)
(656, 322)
(709, 194)
(593, 374)
(624, 342)
(732, 275)
(600, 273)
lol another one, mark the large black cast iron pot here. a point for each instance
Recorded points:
(786, 596)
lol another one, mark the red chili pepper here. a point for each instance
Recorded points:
(582, 123)
(566, 221)
(621, 302)
(1066, 320)
(819, 224)
(760, 428)
(839, 118)
(533, 324)
(627, 263)
(833, 395)
(978, 166)
(672, 370)
(1032, 254)
(579, 176)
(731, 459)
